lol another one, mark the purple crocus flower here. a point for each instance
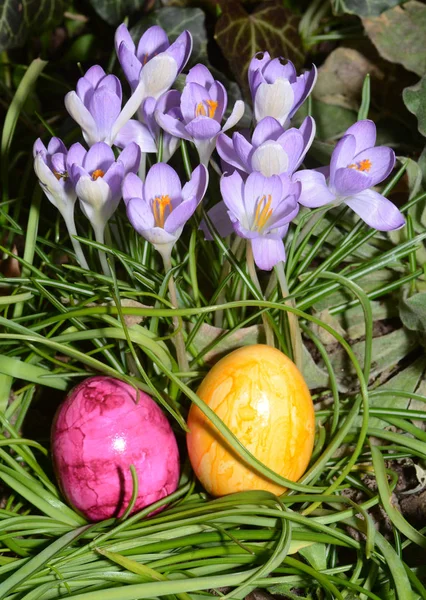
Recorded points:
(276, 89)
(52, 166)
(202, 105)
(260, 210)
(272, 149)
(168, 104)
(159, 208)
(97, 177)
(153, 42)
(96, 104)
(356, 166)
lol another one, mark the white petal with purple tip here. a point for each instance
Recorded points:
(235, 116)
(270, 159)
(274, 100)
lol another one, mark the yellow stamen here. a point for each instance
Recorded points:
(200, 111)
(263, 212)
(96, 174)
(159, 206)
(363, 165)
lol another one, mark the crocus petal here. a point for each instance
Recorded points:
(148, 109)
(170, 145)
(152, 42)
(156, 78)
(75, 155)
(218, 94)
(82, 117)
(218, 215)
(162, 180)
(315, 192)
(39, 148)
(270, 159)
(76, 172)
(376, 210)
(226, 151)
(232, 190)
(122, 35)
(274, 100)
(94, 197)
(130, 64)
(180, 215)
(257, 63)
(364, 133)
(158, 75)
(258, 187)
(56, 145)
(349, 181)
(267, 252)
(132, 187)
(140, 214)
(181, 49)
(99, 157)
(200, 75)
(114, 178)
(94, 75)
(342, 155)
(277, 68)
(244, 151)
(104, 107)
(267, 129)
(48, 180)
(197, 185)
(236, 114)
(172, 125)
(308, 130)
(203, 128)
(112, 83)
(303, 87)
(130, 158)
(59, 162)
(291, 141)
(134, 131)
(378, 161)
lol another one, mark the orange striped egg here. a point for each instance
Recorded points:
(259, 393)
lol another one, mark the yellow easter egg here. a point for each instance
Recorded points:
(259, 393)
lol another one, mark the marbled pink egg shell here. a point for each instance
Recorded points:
(98, 432)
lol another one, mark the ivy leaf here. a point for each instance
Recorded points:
(269, 27)
(174, 20)
(415, 100)
(113, 11)
(399, 35)
(364, 8)
(17, 19)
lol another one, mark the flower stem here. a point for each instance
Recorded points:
(99, 236)
(296, 336)
(177, 321)
(72, 231)
(142, 167)
(269, 334)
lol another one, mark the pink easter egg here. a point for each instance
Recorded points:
(103, 427)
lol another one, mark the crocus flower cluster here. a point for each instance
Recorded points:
(262, 186)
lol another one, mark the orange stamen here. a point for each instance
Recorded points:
(263, 212)
(96, 174)
(159, 206)
(200, 111)
(212, 104)
(363, 165)
(59, 175)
